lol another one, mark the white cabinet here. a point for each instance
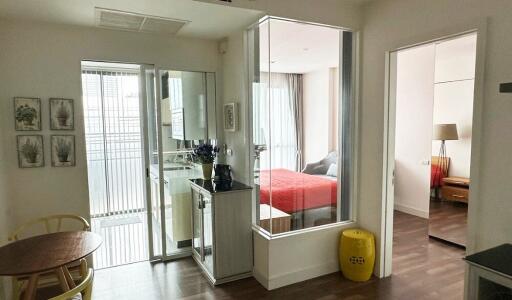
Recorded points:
(489, 274)
(222, 235)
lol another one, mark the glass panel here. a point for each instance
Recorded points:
(187, 99)
(211, 105)
(261, 122)
(154, 186)
(301, 128)
(115, 160)
(208, 233)
(196, 207)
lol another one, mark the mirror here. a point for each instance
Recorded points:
(187, 108)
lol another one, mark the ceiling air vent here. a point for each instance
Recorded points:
(121, 20)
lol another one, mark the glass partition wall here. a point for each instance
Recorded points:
(302, 123)
(180, 116)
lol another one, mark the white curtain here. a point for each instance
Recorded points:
(277, 120)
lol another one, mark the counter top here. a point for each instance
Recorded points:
(498, 259)
(212, 187)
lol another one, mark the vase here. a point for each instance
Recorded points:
(63, 157)
(28, 122)
(207, 171)
(31, 158)
(62, 121)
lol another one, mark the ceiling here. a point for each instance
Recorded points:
(206, 20)
(297, 47)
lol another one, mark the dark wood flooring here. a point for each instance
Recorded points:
(423, 269)
(448, 221)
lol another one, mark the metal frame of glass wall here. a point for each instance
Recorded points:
(347, 122)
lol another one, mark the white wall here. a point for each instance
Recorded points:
(4, 213)
(413, 134)
(43, 60)
(453, 98)
(387, 27)
(315, 112)
(287, 260)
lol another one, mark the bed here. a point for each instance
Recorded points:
(309, 199)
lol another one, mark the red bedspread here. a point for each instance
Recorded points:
(293, 191)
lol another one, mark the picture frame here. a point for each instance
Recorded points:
(27, 114)
(62, 114)
(30, 151)
(63, 150)
(230, 112)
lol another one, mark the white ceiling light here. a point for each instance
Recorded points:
(121, 20)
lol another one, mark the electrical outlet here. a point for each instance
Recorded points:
(229, 151)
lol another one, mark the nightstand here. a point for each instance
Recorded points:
(455, 189)
(281, 221)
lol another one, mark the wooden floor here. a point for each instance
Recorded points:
(448, 221)
(423, 269)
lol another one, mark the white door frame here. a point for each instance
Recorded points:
(480, 27)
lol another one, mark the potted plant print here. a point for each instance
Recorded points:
(205, 154)
(26, 114)
(62, 115)
(63, 149)
(30, 151)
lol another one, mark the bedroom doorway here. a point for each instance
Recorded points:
(428, 152)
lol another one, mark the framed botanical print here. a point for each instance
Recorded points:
(30, 151)
(27, 114)
(62, 114)
(230, 117)
(63, 150)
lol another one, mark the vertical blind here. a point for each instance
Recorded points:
(275, 122)
(113, 141)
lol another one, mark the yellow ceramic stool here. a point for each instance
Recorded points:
(357, 254)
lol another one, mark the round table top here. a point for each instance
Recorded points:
(46, 252)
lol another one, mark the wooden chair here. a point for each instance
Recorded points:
(84, 288)
(49, 224)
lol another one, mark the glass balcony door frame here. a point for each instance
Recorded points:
(152, 106)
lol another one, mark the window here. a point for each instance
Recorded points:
(302, 124)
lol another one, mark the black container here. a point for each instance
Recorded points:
(222, 173)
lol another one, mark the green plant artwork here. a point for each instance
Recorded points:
(61, 114)
(63, 150)
(27, 113)
(30, 151)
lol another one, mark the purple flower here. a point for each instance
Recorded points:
(205, 153)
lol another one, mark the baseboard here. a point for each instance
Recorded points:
(260, 278)
(299, 275)
(411, 210)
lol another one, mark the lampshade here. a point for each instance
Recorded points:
(445, 132)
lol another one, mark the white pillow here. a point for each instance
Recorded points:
(332, 171)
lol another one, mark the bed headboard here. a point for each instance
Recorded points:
(436, 160)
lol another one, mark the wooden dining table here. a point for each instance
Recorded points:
(51, 252)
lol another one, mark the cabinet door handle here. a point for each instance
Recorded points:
(458, 196)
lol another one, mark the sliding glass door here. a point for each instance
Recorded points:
(112, 105)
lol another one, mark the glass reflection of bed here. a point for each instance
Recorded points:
(309, 196)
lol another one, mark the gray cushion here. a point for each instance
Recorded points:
(322, 166)
(332, 171)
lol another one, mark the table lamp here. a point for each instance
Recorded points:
(444, 132)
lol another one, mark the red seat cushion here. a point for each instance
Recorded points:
(436, 176)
